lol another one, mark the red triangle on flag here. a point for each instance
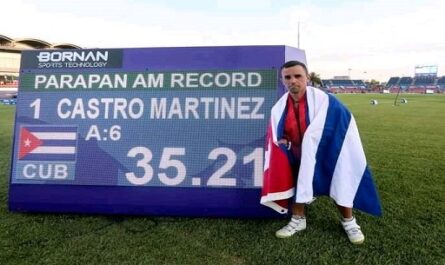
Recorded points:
(28, 142)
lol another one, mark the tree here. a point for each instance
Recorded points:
(315, 79)
(374, 85)
(374, 82)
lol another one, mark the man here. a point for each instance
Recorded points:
(314, 149)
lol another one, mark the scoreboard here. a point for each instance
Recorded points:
(150, 131)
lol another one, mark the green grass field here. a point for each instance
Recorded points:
(405, 147)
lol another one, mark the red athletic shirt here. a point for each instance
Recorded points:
(296, 124)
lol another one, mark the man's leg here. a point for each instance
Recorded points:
(350, 225)
(297, 222)
(345, 212)
(298, 209)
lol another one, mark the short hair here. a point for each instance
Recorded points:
(293, 63)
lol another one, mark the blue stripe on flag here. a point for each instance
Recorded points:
(50, 157)
(334, 132)
(51, 128)
(367, 198)
(336, 126)
(47, 142)
(281, 124)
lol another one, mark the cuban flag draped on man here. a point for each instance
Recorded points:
(333, 162)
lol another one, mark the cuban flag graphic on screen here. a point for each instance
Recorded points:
(48, 143)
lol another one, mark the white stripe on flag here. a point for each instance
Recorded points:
(267, 154)
(276, 114)
(55, 135)
(319, 102)
(54, 150)
(347, 175)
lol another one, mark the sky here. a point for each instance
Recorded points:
(366, 39)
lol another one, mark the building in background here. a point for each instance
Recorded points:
(10, 53)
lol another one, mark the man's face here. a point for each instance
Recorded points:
(294, 79)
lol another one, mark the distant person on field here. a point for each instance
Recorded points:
(314, 148)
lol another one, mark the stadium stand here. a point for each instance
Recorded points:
(417, 84)
(405, 82)
(359, 83)
(342, 82)
(344, 86)
(326, 82)
(8, 80)
(10, 53)
(424, 81)
(441, 80)
(441, 83)
(393, 81)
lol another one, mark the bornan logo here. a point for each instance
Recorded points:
(74, 59)
(73, 56)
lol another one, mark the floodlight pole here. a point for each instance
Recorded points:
(298, 34)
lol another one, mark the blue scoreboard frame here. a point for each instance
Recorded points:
(146, 131)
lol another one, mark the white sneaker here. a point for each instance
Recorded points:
(353, 231)
(296, 224)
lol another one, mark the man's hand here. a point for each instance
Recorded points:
(285, 142)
